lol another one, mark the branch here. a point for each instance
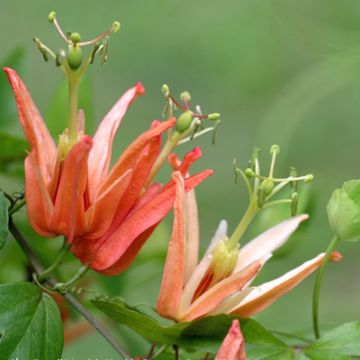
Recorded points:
(71, 299)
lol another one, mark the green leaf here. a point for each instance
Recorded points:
(4, 219)
(57, 115)
(261, 344)
(337, 344)
(30, 323)
(8, 112)
(205, 334)
(344, 211)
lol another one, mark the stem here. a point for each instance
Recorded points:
(73, 108)
(151, 351)
(17, 207)
(78, 275)
(249, 215)
(63, 251)
(71, 299)
(318, 282)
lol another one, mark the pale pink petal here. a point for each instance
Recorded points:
(173, 279)
(192, 234)
(233, 346)
(100, 155)
(268, 241)
(264, 295)
(220, 234)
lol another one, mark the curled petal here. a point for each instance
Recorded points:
(108, 250)
(174, 272)
(36, 132)
(100, 155)
(69, 213)
(39, 206)
(233, 346)
(264, 295)
(216, 294)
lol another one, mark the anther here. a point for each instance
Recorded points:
(165, 90)
(214, 116)
(309, 178)
(249, 172)
(185, 96)
(51, 16)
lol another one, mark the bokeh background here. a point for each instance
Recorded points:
(285, 72)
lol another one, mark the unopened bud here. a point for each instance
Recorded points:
(185, 96)
(214, 116)
(51, 16)
(184, 121)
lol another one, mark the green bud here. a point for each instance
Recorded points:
(51, 16)
(275, 149)
(309, 178)
(165, 90)
(75, 37)
(344, 211)
(74, 57)
(214, 116)
(249, 172)
(184, 121)
(185, 96)
(267, 186)
(115, 26)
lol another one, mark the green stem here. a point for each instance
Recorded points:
(73, 108)
(63, 251)
(17, 207)
(249, 215)
(63, 287)
(318, 282)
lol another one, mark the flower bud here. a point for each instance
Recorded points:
(184, 121)
(344, 211)
(74, 57)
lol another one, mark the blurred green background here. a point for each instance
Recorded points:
(285, 72)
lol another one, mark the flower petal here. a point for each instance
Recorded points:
(220, 234)
(114, 246)
(208, 301)
(39, 205)
(268, 241)
(34, 128)
(173, 279)
(264, 295)
(100, 155)
(69, 216)
(131, 155)
(233, 346)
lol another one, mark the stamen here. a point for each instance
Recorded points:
(52, 19)
(275, 150)
(114, 28)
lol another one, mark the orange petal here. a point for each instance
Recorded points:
(264, 295)
(69, 214)
(100, 155)
(173, 279)
(114, 246)
(39, 205)
(34, 128)
(216, 294)
(100, 215)
(233, 346)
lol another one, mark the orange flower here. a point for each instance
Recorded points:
(219, 283)
(106, 215)
(233, 346)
